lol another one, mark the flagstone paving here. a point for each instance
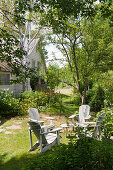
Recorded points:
(8, 132)
(14, 127)
(1, 130)
(17, 126)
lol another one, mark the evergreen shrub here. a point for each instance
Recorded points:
(9, 106)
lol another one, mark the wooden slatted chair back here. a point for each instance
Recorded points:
(37, 130)
(84, 111)
(34, 114)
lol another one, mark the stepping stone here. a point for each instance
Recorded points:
(18, 122)
(1, 130)
(8, 132)
(14, 127)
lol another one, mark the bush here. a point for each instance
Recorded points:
(89, 95)
(9, 106)
(97, 100)
(108, 129)
(86, 153)
(77, 100)
(37, 99)
(108, 88)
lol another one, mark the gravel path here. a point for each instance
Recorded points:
(67, 91)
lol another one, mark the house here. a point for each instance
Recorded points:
(35, 61)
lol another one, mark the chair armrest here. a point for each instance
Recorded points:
(86, 123)
(72, 116)
(52, 131)
(44, 126)
(93, 125)
(88, 117)
(37, 121)
(51, 118)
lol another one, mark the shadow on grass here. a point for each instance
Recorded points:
(62, 109)
(31, 160)
(85, 153)
(3, 120)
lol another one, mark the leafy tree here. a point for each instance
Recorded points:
(16, 36)
(53, 78)
(84, 43)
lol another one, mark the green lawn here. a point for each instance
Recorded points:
(14, 146)
(73, 154)
(14, 143)
(85, 153)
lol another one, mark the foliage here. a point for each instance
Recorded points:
(108, 88)
(89, 95)
(108, 129)
(107, 10)
(97, 100)
(14, 36)
(37, 99)
(10, 52)
(86, 153)
(77, 99)
(66, 76)
(53, 76)
(9, 106)
(86, 47)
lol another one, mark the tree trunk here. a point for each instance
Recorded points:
(85, 89)
(83, 100)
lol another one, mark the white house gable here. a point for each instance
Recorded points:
(35, 61)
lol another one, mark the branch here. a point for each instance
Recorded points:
(69, 63)
(26, 31)
(9, 19)
(35, 36)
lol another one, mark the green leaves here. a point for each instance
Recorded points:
(53, 78)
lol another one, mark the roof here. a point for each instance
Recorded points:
(4, 67)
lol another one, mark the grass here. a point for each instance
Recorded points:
(14, 147)
(14, 153)
(65, 106)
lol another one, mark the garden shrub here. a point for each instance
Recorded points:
(108, 132)
(86, 153)
(108, 88)
(9, 106)
(77, 100)
(38, 99)
(97, 100)
(89, 95)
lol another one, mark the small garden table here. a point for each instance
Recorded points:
(66, 127)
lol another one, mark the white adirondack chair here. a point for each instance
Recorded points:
(97, 126)
(83, 115)
(35, 116)
(45, 139)
(82, 123)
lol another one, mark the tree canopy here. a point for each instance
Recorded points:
(83, 36)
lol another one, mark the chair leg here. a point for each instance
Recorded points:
(40, 143)
(30, 135)
(99, 131)
(58, 138)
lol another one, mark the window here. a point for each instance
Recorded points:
(4, 79)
